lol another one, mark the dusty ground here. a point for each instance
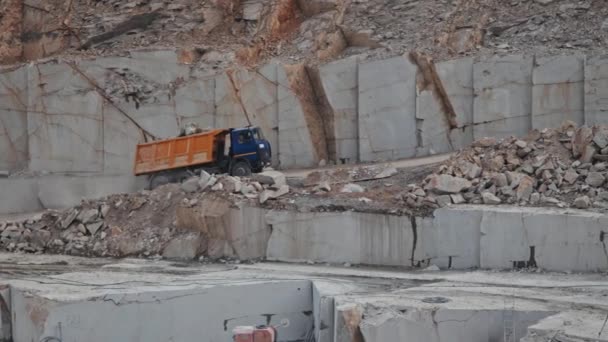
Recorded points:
(251, 32)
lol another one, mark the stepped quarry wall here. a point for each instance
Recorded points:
(85, 117)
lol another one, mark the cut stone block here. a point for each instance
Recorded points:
(302, 133)
(530, 237)
(340, 238)
(340, 84)
(195, 102)
(503, 96)
(557, 92)
(387, 109)
(596, 90)
(65, 126)
(432, 124)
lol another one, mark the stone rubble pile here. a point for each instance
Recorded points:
(565, 167)
(263, 186)
(142, 224)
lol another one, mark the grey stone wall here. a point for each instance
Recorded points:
(87, 117)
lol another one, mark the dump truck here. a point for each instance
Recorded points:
(238, 151)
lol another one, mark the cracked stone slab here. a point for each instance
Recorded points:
(65, 122)
(481, 320)
(433, 127)
(195, 102)
(596, 90)
(120, 136)
(544, 237)
(205, 311)
(387, 109)
(14, 151)
(340, 238)
(340, 84)
(557, 91)
(503, 96)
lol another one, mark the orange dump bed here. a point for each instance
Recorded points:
(179, 152)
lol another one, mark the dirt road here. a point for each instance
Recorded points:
(403, 163)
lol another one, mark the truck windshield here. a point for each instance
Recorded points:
(257, 134)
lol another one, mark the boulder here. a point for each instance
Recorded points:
(272, 194)
(500, 180)
(443, 200)
(469, 170)
(88, 215)
(231, 184)
(69, 218)
(600, 138)
(93, 227)
(457, 199)
(581, 139)
(595, 179)
(570, 176)
(204, 180)
(582, 202)
(489, 198)
(525, 188)
(270, 178)
(323, 186)
(105, 209)
(446, 184)
(190, 185)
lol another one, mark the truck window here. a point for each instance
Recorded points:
(257, 134)
(244, 137)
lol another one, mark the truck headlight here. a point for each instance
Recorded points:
(261, 145)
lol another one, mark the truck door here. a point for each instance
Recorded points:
(243, 146)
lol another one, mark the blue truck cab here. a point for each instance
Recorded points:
(249, 151)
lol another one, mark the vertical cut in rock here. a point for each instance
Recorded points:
(301, 86)
(325, 111)
(430, 80)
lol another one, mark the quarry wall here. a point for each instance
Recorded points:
(85, 117)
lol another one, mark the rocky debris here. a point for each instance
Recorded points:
(224, 32)
(554, 167)
(144, 224)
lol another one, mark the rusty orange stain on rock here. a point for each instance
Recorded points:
(36, 310)
(188, 56)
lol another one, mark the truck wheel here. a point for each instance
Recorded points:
(241, 169)
(158, 180)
